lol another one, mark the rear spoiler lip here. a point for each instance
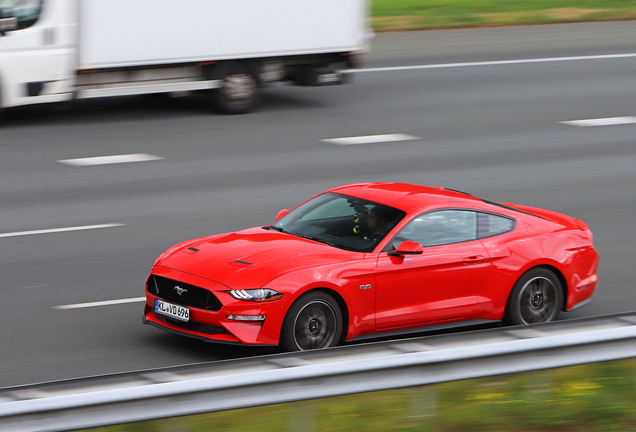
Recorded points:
(551, 216)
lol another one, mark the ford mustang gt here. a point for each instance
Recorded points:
(366, 260)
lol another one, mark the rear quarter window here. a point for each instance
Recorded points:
(489, 225)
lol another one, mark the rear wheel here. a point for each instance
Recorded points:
(237, 94)
(536, 297)
(314, 321)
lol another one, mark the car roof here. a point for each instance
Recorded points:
(410, 197)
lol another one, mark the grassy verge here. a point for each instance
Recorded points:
(392, 15)
(588, 398)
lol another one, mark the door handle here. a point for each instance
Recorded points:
(474, 259)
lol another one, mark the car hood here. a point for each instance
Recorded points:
(250, 258)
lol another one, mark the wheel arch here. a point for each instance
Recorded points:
(550, 264)
(553, 269)
(344, 309)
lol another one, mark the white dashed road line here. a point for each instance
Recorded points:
(370, 139)
(610, 121)
(492, 63)
(106, 160)
(101, 303)
(58, 230)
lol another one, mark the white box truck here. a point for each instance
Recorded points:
(59, 50)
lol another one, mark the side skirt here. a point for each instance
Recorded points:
(427, 328)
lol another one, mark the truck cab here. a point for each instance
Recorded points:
(57, 50)
(36, 52)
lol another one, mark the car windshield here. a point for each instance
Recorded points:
(341, 221)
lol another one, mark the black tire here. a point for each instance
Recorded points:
(238, 91)
(314, 321)
(536, 297)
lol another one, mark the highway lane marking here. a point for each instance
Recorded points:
(369, 139)
(100, 303)
(58, 230)
(609, 121)
(35, 286)
(492, 63)
(107, 160)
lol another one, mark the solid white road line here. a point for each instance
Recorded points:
(57, 230)
(105, 160)
(101, 303)
(493, 63)
(370, 139)
(610, 121)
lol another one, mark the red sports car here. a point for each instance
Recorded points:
(364, 260)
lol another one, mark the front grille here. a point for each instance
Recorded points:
(191, 295)
(193, 325)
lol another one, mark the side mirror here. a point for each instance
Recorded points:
(8, 24)
(407, 247)
(281, 214)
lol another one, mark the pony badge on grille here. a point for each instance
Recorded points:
(180, 290)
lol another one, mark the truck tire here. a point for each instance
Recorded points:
(238, 91)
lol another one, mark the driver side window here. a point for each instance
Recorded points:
(440, 228)
(26, 12)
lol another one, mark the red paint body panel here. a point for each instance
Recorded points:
(377, 292)
(434, 286)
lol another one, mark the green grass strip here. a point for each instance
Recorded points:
(394, 15)
(597, 397)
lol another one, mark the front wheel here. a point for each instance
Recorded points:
(536, 297)
(237, 94)
(314, 321)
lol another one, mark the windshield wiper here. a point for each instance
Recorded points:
(310, 237)
(305, 236)
(275, 228)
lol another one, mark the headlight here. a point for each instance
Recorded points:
(256, 295)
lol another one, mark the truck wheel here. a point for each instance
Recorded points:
(237, 94)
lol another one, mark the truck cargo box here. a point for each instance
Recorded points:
(123, 33)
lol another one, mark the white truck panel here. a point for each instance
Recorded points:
(118, 33)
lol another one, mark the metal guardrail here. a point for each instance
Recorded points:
(224, 385)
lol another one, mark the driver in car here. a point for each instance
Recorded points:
(378, 223)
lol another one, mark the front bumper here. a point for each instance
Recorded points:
(215, 326)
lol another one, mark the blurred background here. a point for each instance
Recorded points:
(490, 107)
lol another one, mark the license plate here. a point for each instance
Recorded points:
(173, 311)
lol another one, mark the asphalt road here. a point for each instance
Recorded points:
(493, 130)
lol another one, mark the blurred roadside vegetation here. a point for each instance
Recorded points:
(587, 398)
(398, 15)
